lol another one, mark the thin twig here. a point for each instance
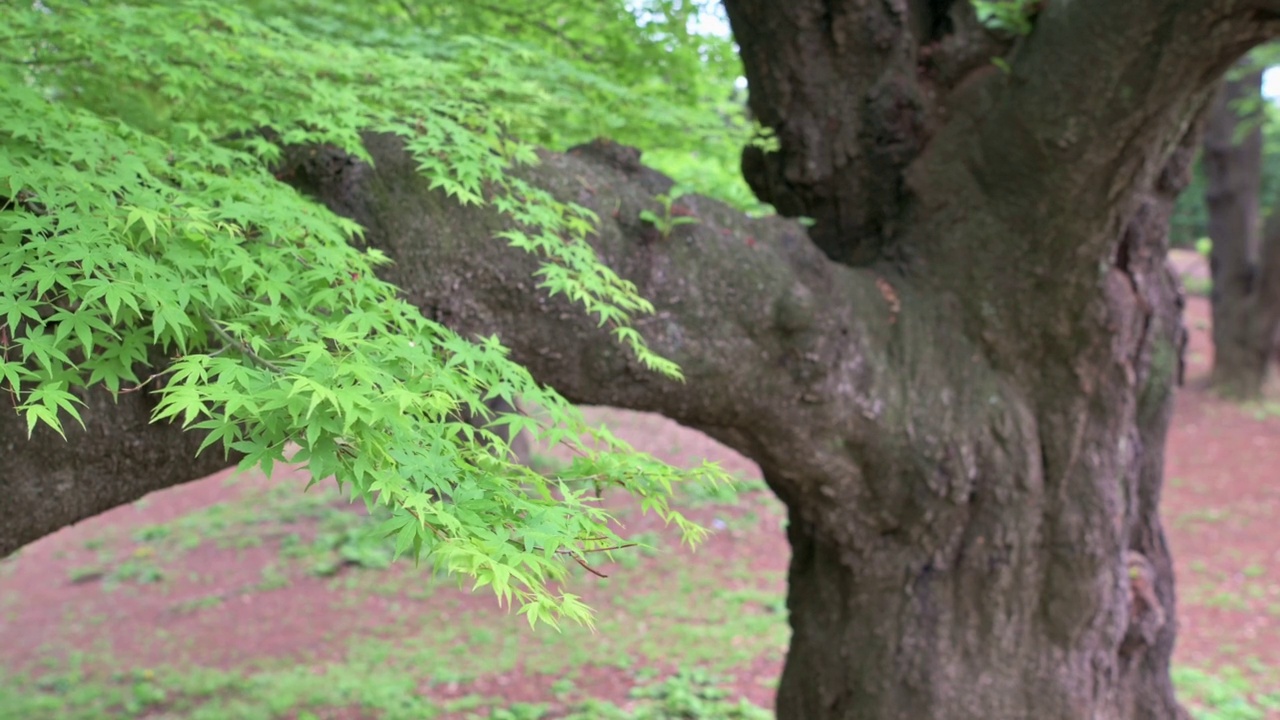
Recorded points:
(435, 530)
(248, 351)
(53, 61)
(540, 24)
(588, 568)
(166, 371)
(624, 546)
(144, 383)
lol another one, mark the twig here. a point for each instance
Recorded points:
(243, 348)
(588, 568)
(576, 555)
(166, 371)
(53, 61)
(624, 546)
(435, 530)
(144, 383)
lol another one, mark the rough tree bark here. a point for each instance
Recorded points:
(959, 382)
(1245, 271)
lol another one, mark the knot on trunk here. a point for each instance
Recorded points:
(1146, 613)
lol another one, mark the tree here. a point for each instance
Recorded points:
(958, 378)
(1245, 261)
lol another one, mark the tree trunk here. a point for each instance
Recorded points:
(976, 534)
(959, 384)
(1006, 558)
(1244, 329)
(118, 456)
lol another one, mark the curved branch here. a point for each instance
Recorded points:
(772, 337)
(809, 367)
(769, 334)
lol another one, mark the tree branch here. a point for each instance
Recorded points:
(767, 331)
(851, 90)
(807, 366)
(1098, 96)
(772, 337)
(118, 457)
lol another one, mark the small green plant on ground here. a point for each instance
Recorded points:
(1265, 409)
(672, 215)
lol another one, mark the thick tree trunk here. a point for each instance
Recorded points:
(1244, 328)
(1007, 559)
(971, 540)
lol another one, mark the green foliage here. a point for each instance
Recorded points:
(142, 224)
(1190, 220)
(303, 693)
(1228, 695)
(672, 215)
(683, 696)
(1007, 16)
(712, 171)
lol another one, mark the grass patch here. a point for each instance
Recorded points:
(306, 692)
(1225, 695)
(314, 532)
(661, 607)
(688, 696)
(1201, 287)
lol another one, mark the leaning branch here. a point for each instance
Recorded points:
(747, 307)
(770, 335)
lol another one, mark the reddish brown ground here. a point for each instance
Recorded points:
(1222, 509)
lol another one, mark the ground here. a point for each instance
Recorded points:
(246, 598)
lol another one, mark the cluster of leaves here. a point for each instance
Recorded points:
(662, 75)
(1007, 16)
(146, 244)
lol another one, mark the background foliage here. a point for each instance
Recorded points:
(1190, 221)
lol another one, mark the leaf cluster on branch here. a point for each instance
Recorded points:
(148, 244)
